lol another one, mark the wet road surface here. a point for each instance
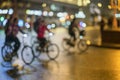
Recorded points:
(94, 64)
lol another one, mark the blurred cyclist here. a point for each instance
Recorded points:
(9, 22)
(71, 29)
(11, 34)
(42, 27)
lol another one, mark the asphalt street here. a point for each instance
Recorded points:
(96, 63)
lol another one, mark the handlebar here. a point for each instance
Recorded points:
(51, 34)
(25, 35)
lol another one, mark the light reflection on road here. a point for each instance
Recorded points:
(94, 64)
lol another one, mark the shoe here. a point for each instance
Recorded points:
(42, 50)
(14, 54)
(8, 58)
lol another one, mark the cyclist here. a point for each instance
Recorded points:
(42, 27)
(71, 29)
(9, 22)
(11, 34)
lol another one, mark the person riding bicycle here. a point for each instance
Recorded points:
(11, 34)
(9, 22)
(42, 27)
(71, 29)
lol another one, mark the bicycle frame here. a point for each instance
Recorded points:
(48, 40)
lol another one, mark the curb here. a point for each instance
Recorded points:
(107, 46)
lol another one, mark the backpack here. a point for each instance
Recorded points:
(7, 26)
(36, 26)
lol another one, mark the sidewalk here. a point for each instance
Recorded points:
(93, 34)
(108, 45)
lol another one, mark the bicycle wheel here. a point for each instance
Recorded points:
(6, 51)
(27, 55)
(52, 51)
(36, 50)
(65, 44)
(82, 45)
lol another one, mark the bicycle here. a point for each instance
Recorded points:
(27, 53)
(51, 49)
(82, 44)
(8, 53)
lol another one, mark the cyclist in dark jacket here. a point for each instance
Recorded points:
(9, 22)
(11, 34)
(71, 29)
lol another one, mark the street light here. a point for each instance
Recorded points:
(83, 2)
(99, 4)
